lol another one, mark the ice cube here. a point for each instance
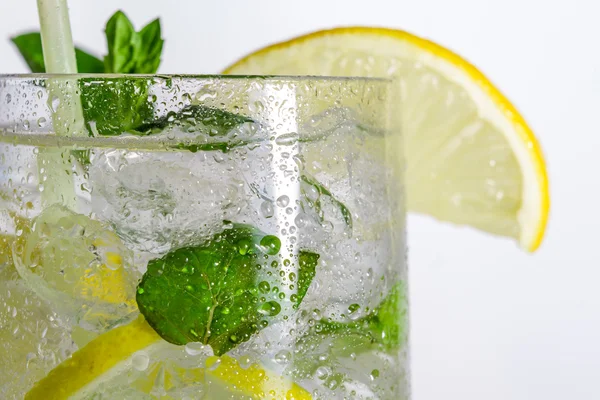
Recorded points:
(159, 201)
(80, 267)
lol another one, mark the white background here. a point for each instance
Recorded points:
(489, 322)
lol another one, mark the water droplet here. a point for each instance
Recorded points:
(283, 357)
(194, 348)
(42, 122)
(292, 276)
(214, 365)
(55, 103)
(270, 244)
(301, 220)
(243, 246)
(327, 226)
(245, 362)
(8, 98)
(140, 361)
(353, 308)
(311, 192)
(266, 209)
(322, 372)
(264, 287)
(287, 139)
(333, 384)
(374, 374)
(270, 308)
(283, 201)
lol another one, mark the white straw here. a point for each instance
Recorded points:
(59, 56)
(57, 41)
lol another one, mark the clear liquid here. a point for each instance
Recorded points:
(69, 274)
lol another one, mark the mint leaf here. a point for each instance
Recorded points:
(330, 343)
(210, 293)
(30, 47)
(120, 37)
(384, 326)
(131, 52)
(148, 48)
(306, 272)
(87, 63)
(323, 191)
(112, 106)
(82, 156)
(195, 118)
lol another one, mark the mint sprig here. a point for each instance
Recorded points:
(212, 293)
(112, 106)
(30, 47)
(131, 52)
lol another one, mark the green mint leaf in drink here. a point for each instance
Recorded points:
(306, 273)
(323, 192)
(382, 327)
(215, 293)
(195, 118)
(112, 106)
(30, 47)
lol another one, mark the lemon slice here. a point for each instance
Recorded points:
(471, 157)
(113, 353)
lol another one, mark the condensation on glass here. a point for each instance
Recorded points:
(101, 175)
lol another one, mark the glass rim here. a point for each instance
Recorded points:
(267, 77)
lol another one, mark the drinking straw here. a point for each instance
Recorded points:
(55, 164)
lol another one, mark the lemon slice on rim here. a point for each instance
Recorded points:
(471, 157)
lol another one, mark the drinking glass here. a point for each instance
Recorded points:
(201, 237)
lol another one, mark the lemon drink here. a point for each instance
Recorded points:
(143, 280)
